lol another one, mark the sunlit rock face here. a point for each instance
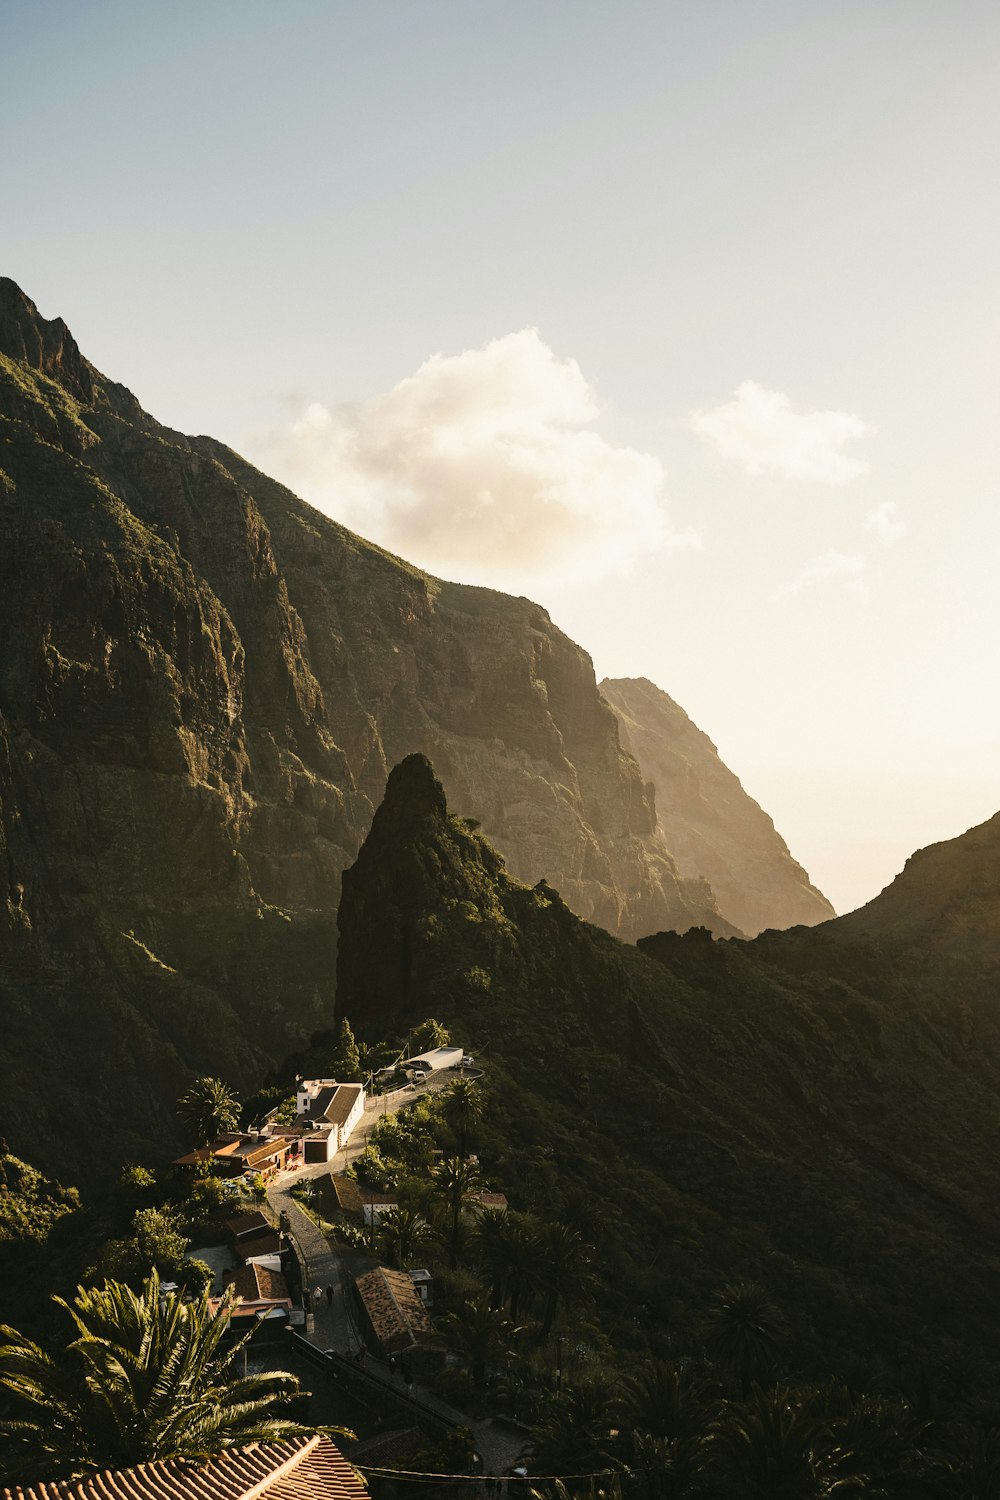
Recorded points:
(203, 684)
(711, 826)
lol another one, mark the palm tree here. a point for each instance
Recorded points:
(565, 1270)
(578, 1432)
(492, 1235)
(669, 1411)
(481, 1335)
(402, 1234)
(207, 1109)
(743, 1338)
(463, 1105)
(774, 1446)
(457, 1180)
(145, 1378)
(510, 1253)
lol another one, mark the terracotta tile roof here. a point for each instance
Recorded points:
(347, 1192)
(258, 1284)
(251, 1223)
(304, 1468)
(395, 1311)
(259, 1244)
(490, 1200)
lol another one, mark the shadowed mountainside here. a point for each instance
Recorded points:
(202, 686)
(713, 828)
(813, 1109)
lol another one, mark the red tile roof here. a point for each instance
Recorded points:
(258, 1284)
(348, 1193)
(304, 1468)
(251, 1223)
(397, 1315)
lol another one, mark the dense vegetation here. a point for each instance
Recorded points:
(145, 1375)
(702, 1114)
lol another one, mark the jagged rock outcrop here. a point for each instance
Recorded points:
(711, 826)
(203, 684)
(803, 1109)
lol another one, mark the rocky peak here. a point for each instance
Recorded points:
(44, 344)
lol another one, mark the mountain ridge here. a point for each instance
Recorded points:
(714, 829)
(204, 685)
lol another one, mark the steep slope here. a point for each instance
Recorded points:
(202, 684)
(713, 828)
(723, 1109)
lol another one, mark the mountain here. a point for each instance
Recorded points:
(813, 1110)
(712, 827)
(203, 684)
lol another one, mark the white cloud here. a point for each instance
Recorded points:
(485, 466)
(830, 564)
(883, 523)
(761, 430)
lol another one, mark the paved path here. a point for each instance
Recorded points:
(333, 1327)
(323, 1262)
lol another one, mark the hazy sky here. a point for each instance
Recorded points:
(680, 317)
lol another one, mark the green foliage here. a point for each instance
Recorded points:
(346, 1063)
(208, 1109)
(137, 1179)
(30, 1204)
(157, 1243)
(481, 1335)
(401, 1235)
(145, 1376)
(275, 1097)
(428, 1035)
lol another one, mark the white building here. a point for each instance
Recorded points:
(328, 1111)
(437, 1058)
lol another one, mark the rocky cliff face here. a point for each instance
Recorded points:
(712, 827)
(203, 684)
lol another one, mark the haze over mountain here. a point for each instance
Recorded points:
(204, 684)
(713, 828)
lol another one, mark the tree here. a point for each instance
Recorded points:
(208, 1109)
(145, 1378)
(346, 1065)
(402, 1233)
(457, 1180)
(481, 1335)
(511, 1254)
(775, 1446)
(462, 1105)
(157, 1244)
(578, 1432)
(743, 1338)
(428, 1034)
(669, 1411)
(565, 1270)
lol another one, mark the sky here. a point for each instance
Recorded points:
(680, 318)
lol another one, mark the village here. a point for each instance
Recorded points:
(307, 1253)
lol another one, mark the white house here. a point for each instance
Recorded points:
(328, 1111)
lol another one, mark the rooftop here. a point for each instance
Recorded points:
(304, 1468)
(348, 1193)
(344, 1100)
(258, 1284)
(395, 1311)
(251, 1223)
